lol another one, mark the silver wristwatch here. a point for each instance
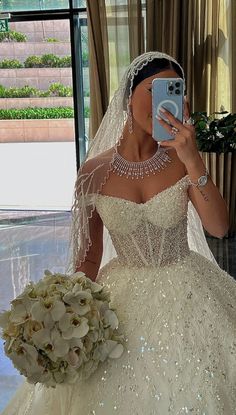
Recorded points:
(201, 181)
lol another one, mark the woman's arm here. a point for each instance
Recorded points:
(93, 258)
(207, 200)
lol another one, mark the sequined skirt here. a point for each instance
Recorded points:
(180, 357)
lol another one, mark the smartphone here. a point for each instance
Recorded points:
(169, 94)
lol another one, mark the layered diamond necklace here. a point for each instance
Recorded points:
(139, 169)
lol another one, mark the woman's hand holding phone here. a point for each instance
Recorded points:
(185, 138)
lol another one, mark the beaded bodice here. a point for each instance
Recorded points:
(150, 233)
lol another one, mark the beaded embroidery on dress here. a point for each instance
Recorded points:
(178, 311)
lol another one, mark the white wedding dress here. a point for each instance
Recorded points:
(178, 312)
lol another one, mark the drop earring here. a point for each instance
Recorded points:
(130, 119)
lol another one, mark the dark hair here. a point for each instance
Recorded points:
(155, 66)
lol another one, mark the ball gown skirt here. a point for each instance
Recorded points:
(177, 310)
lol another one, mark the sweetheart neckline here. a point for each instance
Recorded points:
(149, 200)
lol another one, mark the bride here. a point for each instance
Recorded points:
(142, 236)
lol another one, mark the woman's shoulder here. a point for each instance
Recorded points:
(92, 163)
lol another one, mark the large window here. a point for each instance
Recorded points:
(44, 109)
(44, 114)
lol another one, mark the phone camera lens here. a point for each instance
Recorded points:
(177, 91)
(171, 88)
(177, 84)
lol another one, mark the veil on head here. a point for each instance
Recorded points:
(94, 171)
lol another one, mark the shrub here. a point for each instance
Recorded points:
(51, 39)
(65, 62)
(43, 94)
(33, 62)
(12, 36)
(10, 64)
(13, 92)
(39, 113)
(60, 90)
(50, 60)
(26, 91)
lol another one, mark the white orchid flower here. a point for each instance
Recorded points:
(94, 320)
(24, 356)
(28, 294)
(73, 326)
(110, 319)
(76, 343)
(79, 276)
(75, 359)
(87, 344)
(93, 336)
(78, 299)
(103, 307)
(48, 309)
(30, 327)
(19, 312)
(51, 342)
(95, 287)
(60, 289)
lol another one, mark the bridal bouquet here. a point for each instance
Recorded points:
(59, 329)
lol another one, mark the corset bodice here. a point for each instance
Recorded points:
(150, 233)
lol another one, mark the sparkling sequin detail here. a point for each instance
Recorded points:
(178, 311)
(151, 233)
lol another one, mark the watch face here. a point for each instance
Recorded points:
(202, 180)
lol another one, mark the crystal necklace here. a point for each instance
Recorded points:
(138, 169)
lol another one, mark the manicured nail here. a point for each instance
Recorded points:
(159, 118)
(162, 109)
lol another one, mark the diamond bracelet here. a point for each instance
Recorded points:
(201, 181)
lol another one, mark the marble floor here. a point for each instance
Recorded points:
(31, 242)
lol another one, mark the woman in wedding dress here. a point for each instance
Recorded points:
(143, 239)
